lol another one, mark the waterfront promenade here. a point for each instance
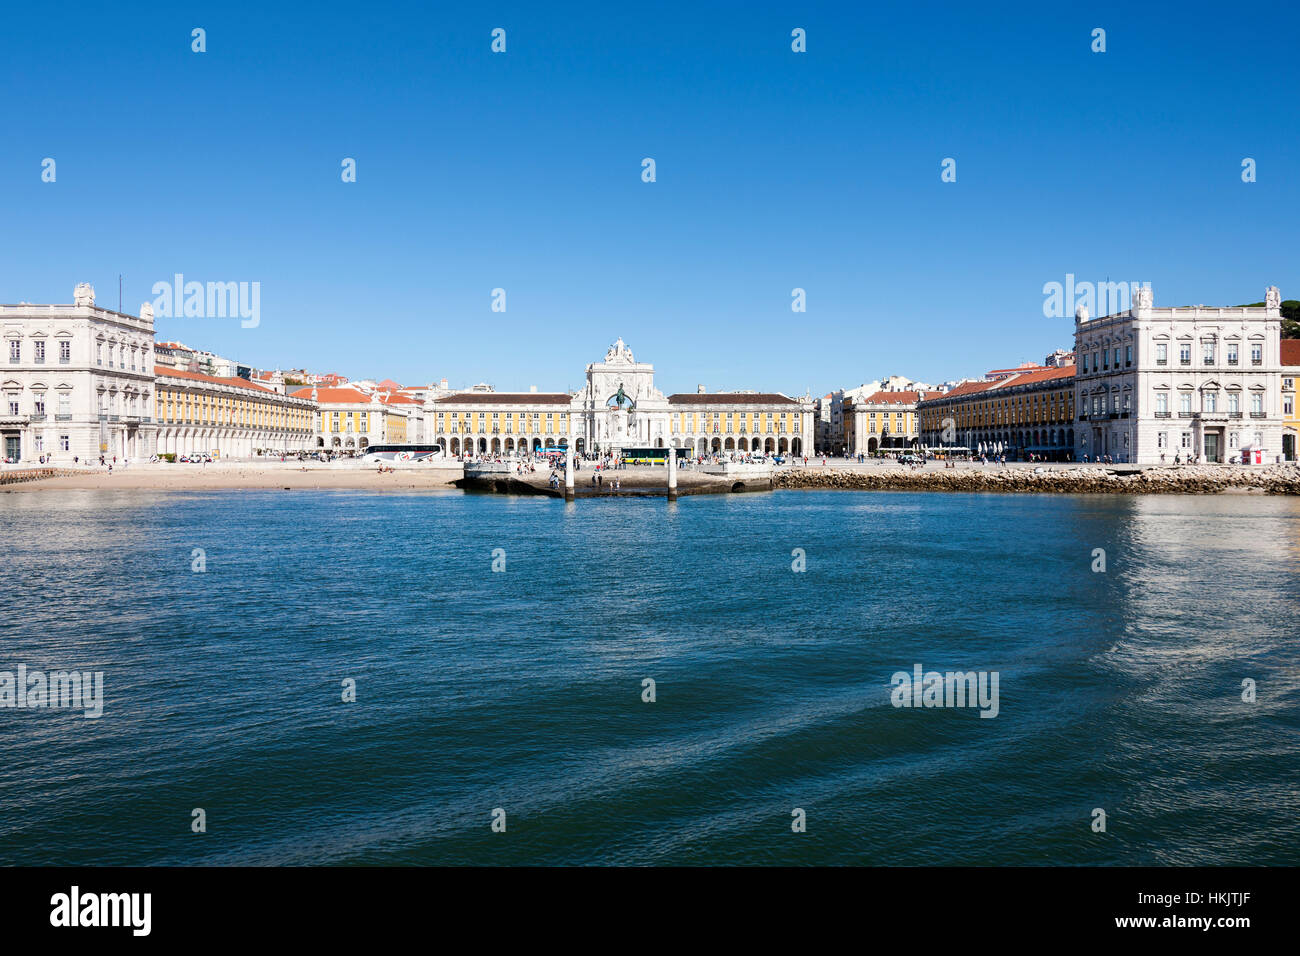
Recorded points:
(874, 475)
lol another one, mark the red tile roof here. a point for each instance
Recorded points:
(334, 396)
(163, 370)
(1291, 351)
(730, 398)
(898, 398)
(1038, 375)
(507, 398)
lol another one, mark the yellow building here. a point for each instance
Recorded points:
(500, 423)
(229, 417)
(348, 421)
(882, 421)
(1026, 412)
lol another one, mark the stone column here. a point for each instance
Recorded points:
(568, 463)
(672, 473)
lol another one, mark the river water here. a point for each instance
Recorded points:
(521, 689)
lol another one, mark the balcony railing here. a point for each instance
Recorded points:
(38, 418)
(1162, 414)
(1234, 414)
(63, 417)
(1186, 414)
(1258, 414)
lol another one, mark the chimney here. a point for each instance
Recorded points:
(700, 390)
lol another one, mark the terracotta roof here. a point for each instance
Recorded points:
(965, 388)
(507, 398)
(389, 383)
(730, 398)
(1039, 375)
(163, 370)
(399, 399)
(1291, 351)
(1022, 367)
(898, 398)
(334, 396)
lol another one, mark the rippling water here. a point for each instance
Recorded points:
(522, 689)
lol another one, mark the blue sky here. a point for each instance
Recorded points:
(522, 171)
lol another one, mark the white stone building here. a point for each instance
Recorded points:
(1193, 381)
(78, 381)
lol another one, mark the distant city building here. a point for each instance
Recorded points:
(78, 382)
(1194, 381)
(1059, 359)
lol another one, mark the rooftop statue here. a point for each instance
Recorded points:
(619, 352)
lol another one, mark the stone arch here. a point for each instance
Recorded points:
(873, 445)
(729, 445)
(717, 444)
(782, 446)
(796, 446)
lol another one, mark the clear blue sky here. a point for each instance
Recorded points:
(523, 171)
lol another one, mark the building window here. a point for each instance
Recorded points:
(1232, 353)
(1128, 355)
(1257, 354)
(15, 351)
(1185, 403)
(1185, 353)
(1257, 404)
(1187, 440)
(1211, 401)
(65, 352)
(1162, 439)
(38, 350)
(64, 443)
(1162, 353)
(1162, 404)
(1207, 353)
(1234, 403)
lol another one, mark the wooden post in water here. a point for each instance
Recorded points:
(672, 473)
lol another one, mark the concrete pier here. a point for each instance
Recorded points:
(672, 474)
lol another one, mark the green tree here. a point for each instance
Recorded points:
(1290, 317)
